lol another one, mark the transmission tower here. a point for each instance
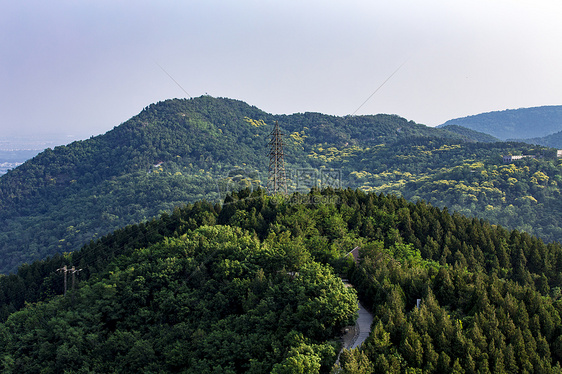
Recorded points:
(73, 271)
(65, 270)
(277, 181)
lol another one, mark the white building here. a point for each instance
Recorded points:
(509, 158)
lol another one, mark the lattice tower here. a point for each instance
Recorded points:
(277, 181)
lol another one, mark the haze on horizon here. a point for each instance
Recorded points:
(81, 68)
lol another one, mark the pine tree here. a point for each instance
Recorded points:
(443, 363)
(457, 368)
(355, 361)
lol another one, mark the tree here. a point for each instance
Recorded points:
(354, 361)
(302, 360)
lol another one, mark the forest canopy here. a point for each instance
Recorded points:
(490, 298)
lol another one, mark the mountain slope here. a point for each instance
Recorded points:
(249, 287)
(471, 134)
(514, 123)
(214, 300)
(180, 151)
(173, 152)
(552, 140)
(165, 156)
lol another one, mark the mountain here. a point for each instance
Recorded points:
(214, 299)
(552, 140)
(514, 123)
(251, 286)
(471, 135)
(173, 152)
(180, 151)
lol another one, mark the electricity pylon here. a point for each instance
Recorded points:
(73, 271)
(277, 181)
(64, 269)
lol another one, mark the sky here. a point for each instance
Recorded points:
(79, 68)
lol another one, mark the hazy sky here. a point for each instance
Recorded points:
(82, 67)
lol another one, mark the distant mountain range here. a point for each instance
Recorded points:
(526, 123)
(552, 140)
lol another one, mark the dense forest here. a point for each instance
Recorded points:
(251, 286)
(216, 300)
(471, 134)
(181, 151)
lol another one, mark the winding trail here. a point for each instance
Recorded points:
(355, 335)
(362, 327)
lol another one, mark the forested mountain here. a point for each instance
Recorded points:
(251, 286)
(471, 134)
(552, 140)
(173, 152)
(521, 123)
(181, 151)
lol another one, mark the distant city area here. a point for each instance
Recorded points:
(13, 158)
(14, 151)
(5, 166)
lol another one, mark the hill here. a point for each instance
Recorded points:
(471, 134)
(173, 152)
(521, 123)
(250, 286)
(552, 140)
(181, 151)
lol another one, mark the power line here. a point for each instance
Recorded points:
(172, 78)
(383, 83)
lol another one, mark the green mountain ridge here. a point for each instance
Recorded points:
(552, 140)
(524, 123)
(181, 151)
(89, 188)
(471, 134)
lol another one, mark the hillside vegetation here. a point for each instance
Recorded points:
(181, 151)
(250, 286)
(471, 134)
